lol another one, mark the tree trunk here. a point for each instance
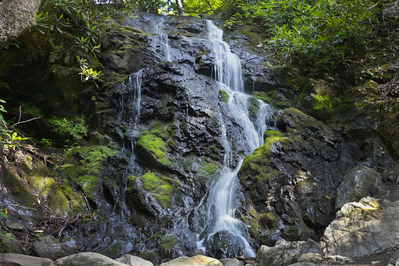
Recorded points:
(180, 7)
(16, 16)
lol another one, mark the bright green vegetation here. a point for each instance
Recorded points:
(70, 129)
(195, 7)
(271, 136)
(85, 164)
(325, 102)
(155, 146)
(158, 186)
(223, 96)
(257, 164)
(322, 34)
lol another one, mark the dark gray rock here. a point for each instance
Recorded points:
(356, 184)
(291, 180)
(224, 244)
(48, 247)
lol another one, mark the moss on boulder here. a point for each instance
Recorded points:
(159, 187)
(85, 165)
(66, 202)
(152, 150)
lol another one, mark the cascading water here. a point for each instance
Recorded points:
(162, 39)
(219, 201)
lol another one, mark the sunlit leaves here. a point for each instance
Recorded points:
(201, 7)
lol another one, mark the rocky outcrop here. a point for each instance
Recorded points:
(290, 181)
(360, 229)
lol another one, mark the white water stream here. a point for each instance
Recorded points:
(220, 199)
(162, 40)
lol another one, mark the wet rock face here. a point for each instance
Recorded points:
(176, 135)
(224, 244)
(291, 180)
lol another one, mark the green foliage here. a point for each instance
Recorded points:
(322, 102)
(46, 142)
(77, 24)
(13, 140)
(71, 129)
(201, 7)
(317, 33)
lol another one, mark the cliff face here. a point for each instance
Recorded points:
(149, 142)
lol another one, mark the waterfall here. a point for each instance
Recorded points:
(219, 200)
(163, 40)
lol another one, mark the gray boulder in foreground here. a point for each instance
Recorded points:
(134, 261)
(360, 229)
(87, 259)
(363, 228)
(198, 260)
(24, 260)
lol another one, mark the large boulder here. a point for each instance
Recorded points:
(363, 228)
(198, 260)
(224, 244)
(16, 16)
(24, 260)
(290, 181)
(87, 258)
(356, 184)
(134, 261)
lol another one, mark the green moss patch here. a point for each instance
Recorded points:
(155, 147)
(160, 187)
(85, 166)
(223, 96)
(66, 202)
(209, 169)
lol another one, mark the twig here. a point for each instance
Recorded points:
(26, 121)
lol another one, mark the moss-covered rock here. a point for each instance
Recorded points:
(223, 96)
(85, 165)
(66, 202)
(152, 150)
(159, 187)
(19, 189)
(42, 185)
(169, 246)
(289, 181)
